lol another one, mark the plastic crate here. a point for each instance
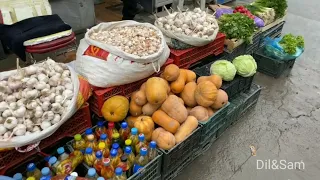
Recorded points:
(209, 128)
(234, 112)
(251, 48)
(175, 159)
(100, 95)
(238, 51)
(250, 98)
(272, 33)
(271, 66)
(185, 58)
(80, 121)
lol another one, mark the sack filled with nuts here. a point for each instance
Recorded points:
(123, 52)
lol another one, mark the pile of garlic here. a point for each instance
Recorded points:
(137, 40)
(196, 23)
(34, 98)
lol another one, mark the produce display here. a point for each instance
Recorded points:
(167, 109)
(223, 68)
(290, 43)
(243, 10)
(266, 14)
(194, 23)
(137, 40)
(34, 98)
(280, 6)
(246, 65)
(237, 26)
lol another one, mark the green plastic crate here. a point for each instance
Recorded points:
(181, 155)
(272, 67)
(250, 98)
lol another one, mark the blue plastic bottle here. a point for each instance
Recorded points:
(46, 173)
(152, 152)
(141, 160)
(62, 154)
(18, 176)
(92, 174)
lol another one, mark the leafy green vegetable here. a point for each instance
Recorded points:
(290, 43)
(237, 26)
(255, 8)
(246, 65)
(225, 69)
(279, 6)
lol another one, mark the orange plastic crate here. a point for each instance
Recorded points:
(78, 123)
(186, 57)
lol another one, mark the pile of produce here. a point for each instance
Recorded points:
(34, 98)
(290, 43)
(280, 6)
(244, 66)
(266, 14)
(194, 23)
(175, 102)
(237, 25)
(136, 40)
(243, 10)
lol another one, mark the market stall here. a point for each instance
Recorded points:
(161, 94)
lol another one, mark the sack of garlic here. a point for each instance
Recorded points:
(191, 28)
(120, 53)
(35, 101)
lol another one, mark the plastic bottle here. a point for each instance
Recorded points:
(130, 155)
(117, 147)
(88, 132)
(105, 151)
(68, 177)
(152, 152)
(107, 170)
(116, 139)
(62, 154)
(46, 159)
(101, 129)
(125, 165)
(104, 138)
(100, 178)
(111, 130)
(54, 163)
(46, 173)
(92, 174)
(134, 138)
(119, 175)
(128, 143)
(33, 171)
(98, 164)
(91, 142)
(124, 131)
(18, 176)
(142, 143)
(89, 157)
(79, 143)
(141, 160)
(114, 158)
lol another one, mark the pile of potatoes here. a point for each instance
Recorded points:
(176, 101)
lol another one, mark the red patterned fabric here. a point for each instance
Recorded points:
(49, 49)
(56, 42)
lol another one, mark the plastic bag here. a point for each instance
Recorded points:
(18, 141)
(258, 22)
(274, 50)
(222, 11)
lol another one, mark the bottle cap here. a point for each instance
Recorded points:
(74, 174)
(52, 160)
(77, 137)
(118, 171)
(124, 158)
(143, 151)
(17, 176)
(88, 150)
(128, 142)
(124, 125)
(153, 144)
(45, 171)
(101, 145)
(127, 150)
(103, 137)
(115, 146)
(113, 152)
(98, 154)
(31, 178)
(100, 123)
(134, 131)
(100, 178)
(31, 167)
(115, 135)
(47, 158)
(106, 161)
(88, 131)
(60, 150)
(92, 172)
(90, 137)
(141, 137)
(111, 125)
(45, 178)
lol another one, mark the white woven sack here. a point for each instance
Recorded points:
(194, 41)
(18, 141)
(115, 70)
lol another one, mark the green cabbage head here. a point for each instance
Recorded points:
(246, 66)
(225, 69)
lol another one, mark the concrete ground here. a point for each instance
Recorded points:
(285, 124)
